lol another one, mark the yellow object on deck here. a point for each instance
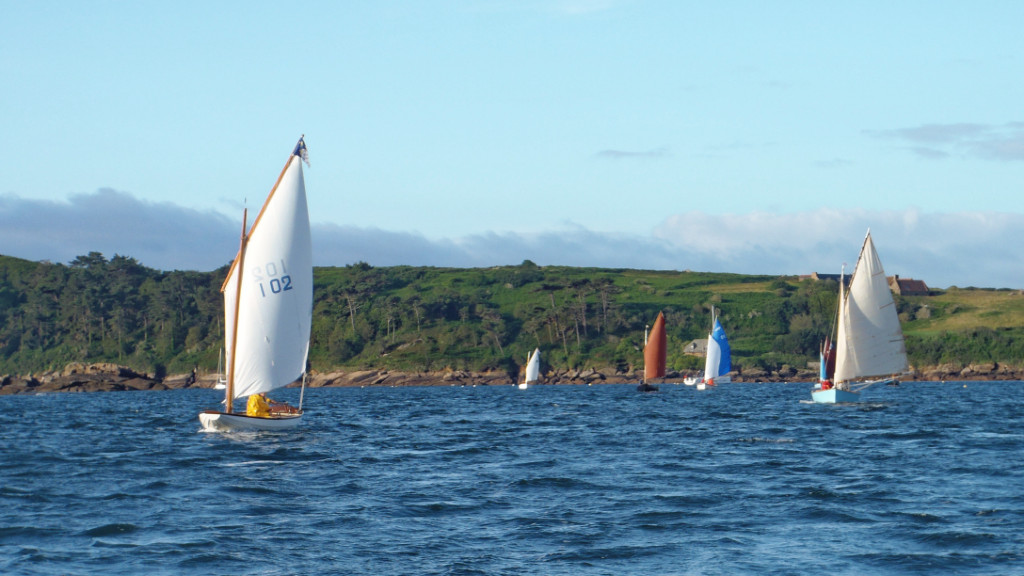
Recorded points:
(257, 406)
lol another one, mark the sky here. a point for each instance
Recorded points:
(734, 136)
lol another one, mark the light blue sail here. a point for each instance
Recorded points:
(725, 361)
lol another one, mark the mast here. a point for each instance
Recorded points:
(646, 327)
(229, 391)
(841, 339)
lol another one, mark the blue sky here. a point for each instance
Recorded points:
(749, 137)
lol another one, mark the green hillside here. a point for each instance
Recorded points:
(422, 318)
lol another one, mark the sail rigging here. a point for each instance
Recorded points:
(268, 295)
(870, 340)
(868, 343)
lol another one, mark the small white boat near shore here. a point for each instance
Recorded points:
(532, 370)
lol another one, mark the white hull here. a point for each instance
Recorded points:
(834, 396)
(703, 384)
(523, 385)
(220, 422)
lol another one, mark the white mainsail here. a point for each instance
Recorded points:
(268, 347)
(870, 340)
(533, 367)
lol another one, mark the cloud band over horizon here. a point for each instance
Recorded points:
(943, 249)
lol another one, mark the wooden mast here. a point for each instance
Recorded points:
(229, 398)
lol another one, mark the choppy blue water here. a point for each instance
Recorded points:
(926, 478)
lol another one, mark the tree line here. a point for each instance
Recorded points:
(96, 309)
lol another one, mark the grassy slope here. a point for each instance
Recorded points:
(957, 310)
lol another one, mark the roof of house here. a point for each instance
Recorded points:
(910, 286)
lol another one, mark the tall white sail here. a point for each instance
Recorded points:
(870, 340)
(275, 302)
(718, 361)
(533, 367)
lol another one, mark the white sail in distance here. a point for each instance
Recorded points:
(533, 367)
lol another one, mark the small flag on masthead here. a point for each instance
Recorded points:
(300, 150)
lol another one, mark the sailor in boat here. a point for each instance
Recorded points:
(260, 406)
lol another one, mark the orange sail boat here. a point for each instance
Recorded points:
(655, 354)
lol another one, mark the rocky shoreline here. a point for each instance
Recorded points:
(104, 377)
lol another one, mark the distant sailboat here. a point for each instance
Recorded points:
(268, 305)
(222, 381)
(868, 341)
(718, 361)
(532, 370)
(655, 354)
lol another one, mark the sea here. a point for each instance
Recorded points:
(923, 478)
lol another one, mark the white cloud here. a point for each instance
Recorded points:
(939, 141)
(962, 249)
(627, 154)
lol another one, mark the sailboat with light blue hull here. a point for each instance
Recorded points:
(869, 341)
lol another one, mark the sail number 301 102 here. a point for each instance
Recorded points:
(272, 278)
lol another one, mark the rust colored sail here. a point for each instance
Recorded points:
(655, 350)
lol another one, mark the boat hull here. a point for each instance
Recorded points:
(524, 385)
(834, 396)
(646, 388)
(213, 421)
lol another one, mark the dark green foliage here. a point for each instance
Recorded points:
(422, 318)
(978, 345)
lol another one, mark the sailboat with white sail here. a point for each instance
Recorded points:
(655, 355)
(532, 370)
(718, 361)
(222, 381)
(869, 346)
(268, 305)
